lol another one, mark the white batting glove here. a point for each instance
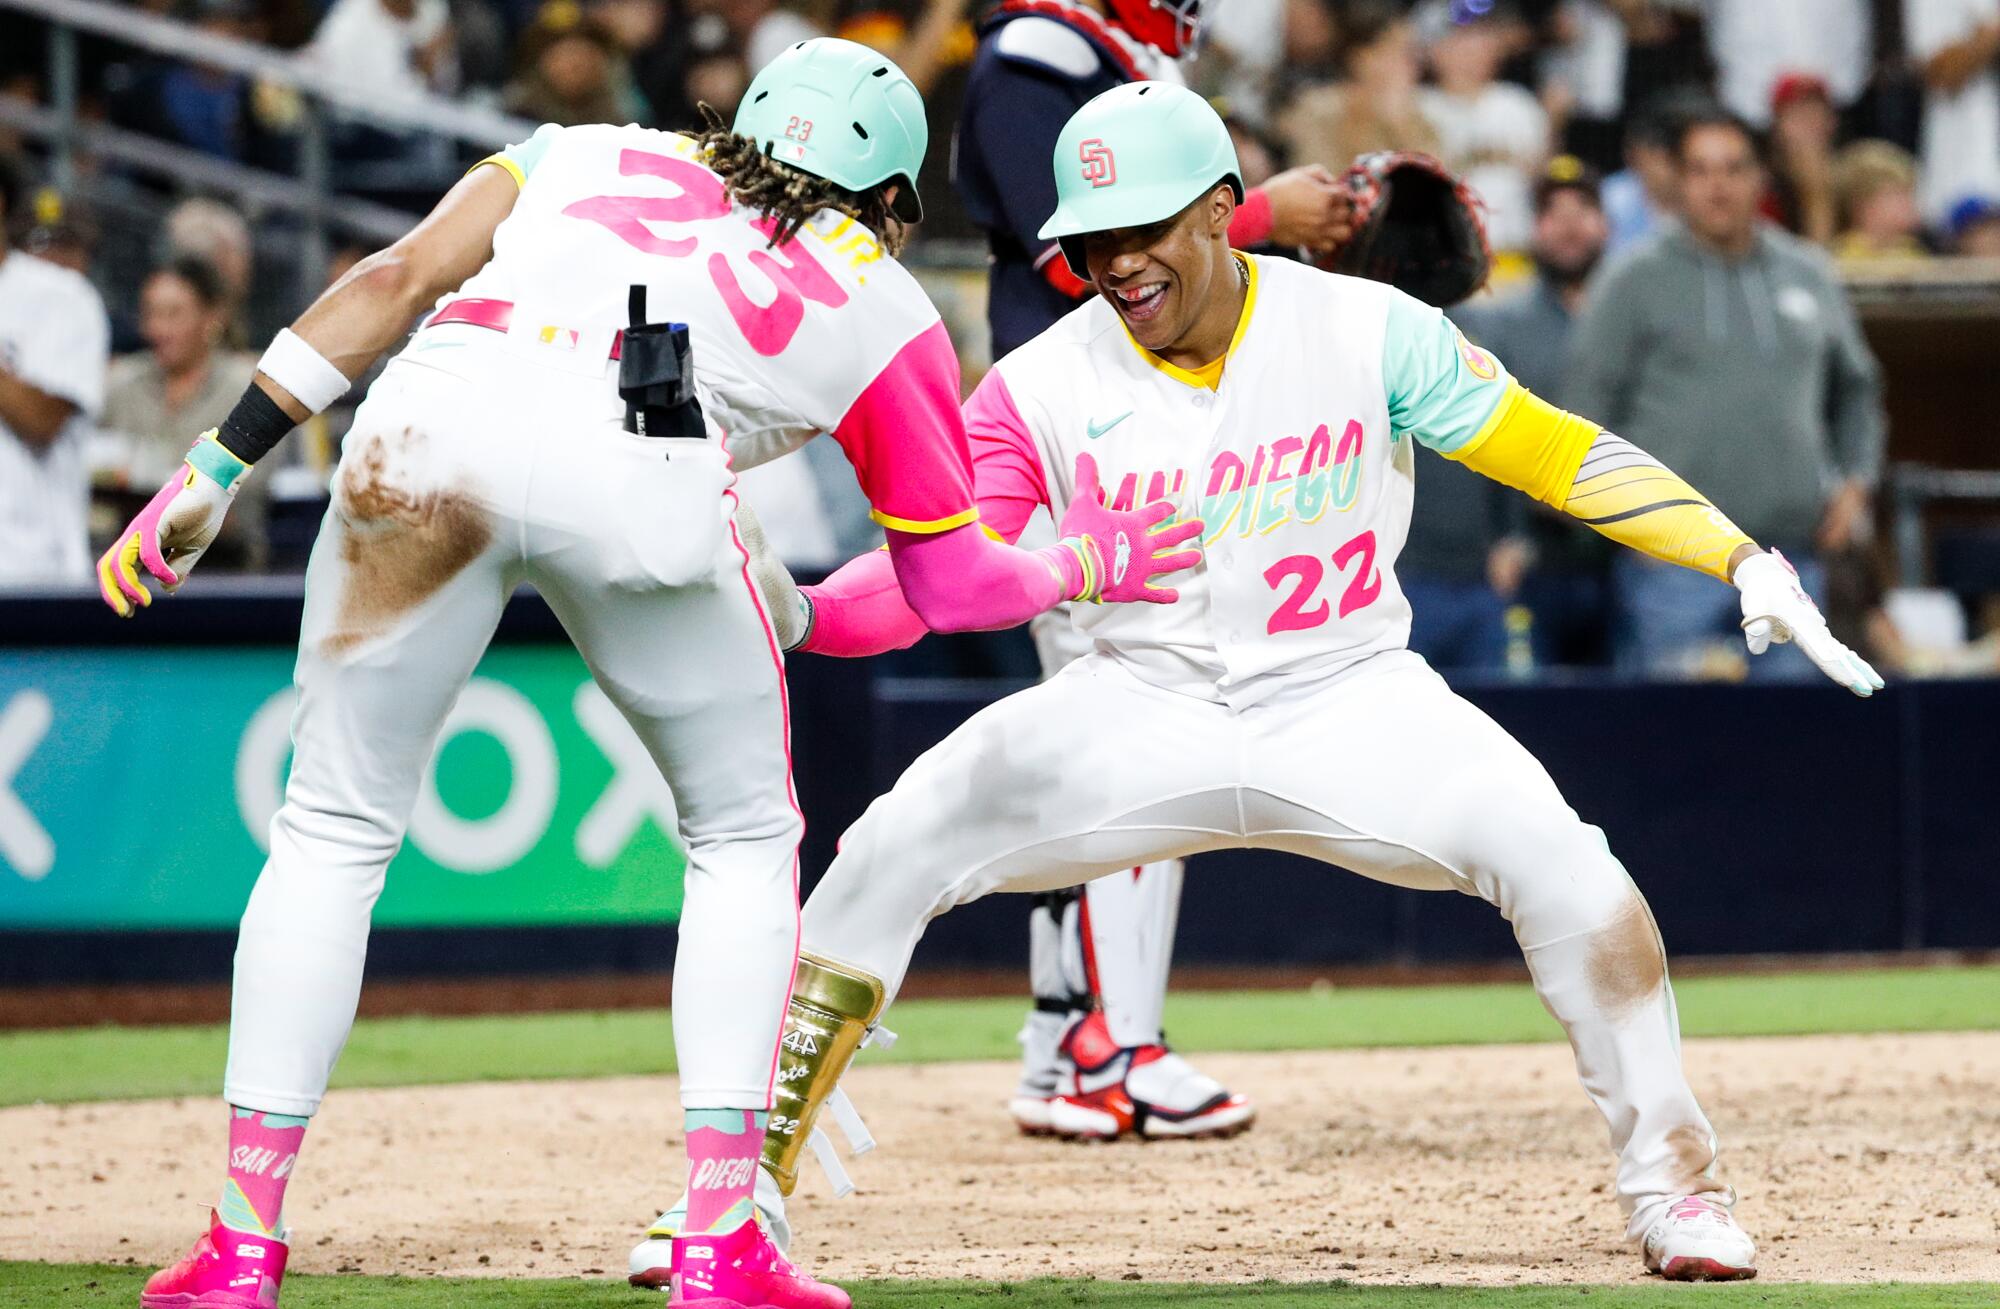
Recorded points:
(175, 528)
(1777, 609)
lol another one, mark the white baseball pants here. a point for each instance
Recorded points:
(1383, 771)
(459, 481)
(1119, 946)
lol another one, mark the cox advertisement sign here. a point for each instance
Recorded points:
(137, 788)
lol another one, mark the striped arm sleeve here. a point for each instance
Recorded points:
(1604, 482)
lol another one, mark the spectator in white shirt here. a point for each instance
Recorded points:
(1756, 42)
(1492, 133)
(388, 47)
(1956, 42)
(54, 345)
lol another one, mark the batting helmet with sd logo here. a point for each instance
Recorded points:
(1134, 155)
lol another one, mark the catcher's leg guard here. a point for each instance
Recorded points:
(831, 1010)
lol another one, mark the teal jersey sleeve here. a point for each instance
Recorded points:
(520, 159)
(1442, 389)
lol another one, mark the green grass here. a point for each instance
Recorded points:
(23, 1285)
(99, 1063)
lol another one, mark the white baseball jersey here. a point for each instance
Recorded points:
(822, 334)
(53, 336)
(1299, 463)
(481, 460)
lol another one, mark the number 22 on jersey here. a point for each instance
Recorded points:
(1298, 611)
(700, 197)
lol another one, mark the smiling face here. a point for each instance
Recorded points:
(1171, 281)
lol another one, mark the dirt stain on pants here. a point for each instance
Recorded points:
(401, 542)
(1627, 966)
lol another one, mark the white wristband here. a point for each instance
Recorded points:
(303, 371)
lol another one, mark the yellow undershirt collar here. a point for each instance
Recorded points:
(1208, 377)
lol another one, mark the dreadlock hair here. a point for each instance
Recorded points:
(786, 195)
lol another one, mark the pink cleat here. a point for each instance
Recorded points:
(743, 1270)
(226, 1269)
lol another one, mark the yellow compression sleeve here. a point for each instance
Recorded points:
(1603, 481)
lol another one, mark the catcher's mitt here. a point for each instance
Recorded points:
(1416, 227)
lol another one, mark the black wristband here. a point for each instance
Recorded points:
(254, 425)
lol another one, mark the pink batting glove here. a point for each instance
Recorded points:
(1122, 550)
(174, 528)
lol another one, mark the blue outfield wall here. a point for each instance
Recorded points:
(1758, 820)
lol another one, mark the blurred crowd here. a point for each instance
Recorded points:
(1673, 190)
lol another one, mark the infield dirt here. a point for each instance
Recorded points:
(1857, 1158)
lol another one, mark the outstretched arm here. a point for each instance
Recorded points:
(1604, 482)
(1615, 488)
(1457, 398)
(307, 368)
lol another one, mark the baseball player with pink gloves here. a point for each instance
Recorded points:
(539, 427)
(1281, 406)
(1094, 1059)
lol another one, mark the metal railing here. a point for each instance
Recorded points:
(1914, 488)
(309, 194)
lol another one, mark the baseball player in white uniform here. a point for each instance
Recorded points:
(1276, 706)
(540, 427)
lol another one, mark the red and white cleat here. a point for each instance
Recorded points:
(743, 1270)
(227, 1269)
(1171, 1097)
(1146, 1089)
(1697, 1240)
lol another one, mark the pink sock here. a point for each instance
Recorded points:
(723, 1146)
(262, 1150)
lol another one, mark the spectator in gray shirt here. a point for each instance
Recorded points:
(1729, 350)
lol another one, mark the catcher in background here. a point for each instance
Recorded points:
(1094, 1060)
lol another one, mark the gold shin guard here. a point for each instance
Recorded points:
(831, 1010)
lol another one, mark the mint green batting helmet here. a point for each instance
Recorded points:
(1134, 155)
(838, 110)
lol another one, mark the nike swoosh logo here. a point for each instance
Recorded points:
(1095, 430)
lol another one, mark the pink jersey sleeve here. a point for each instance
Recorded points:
(861, 609)
(1007, 472)
(906, 439)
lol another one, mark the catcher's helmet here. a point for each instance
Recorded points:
(838, 110)
(1173, 27)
